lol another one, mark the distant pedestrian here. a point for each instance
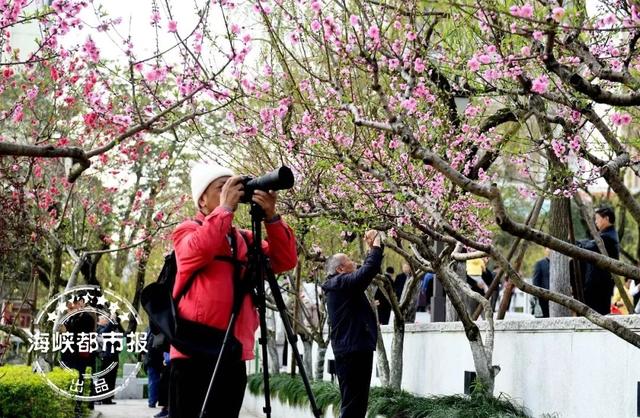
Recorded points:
(475, 269)
(617, 302)
(163, 388)
(153, 364)
(109, 357)
(598, 283)
(382, 302)
(401, 280)
(352, 325)
(426, 292)
(541, 279)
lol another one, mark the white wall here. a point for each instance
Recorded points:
(566, 365)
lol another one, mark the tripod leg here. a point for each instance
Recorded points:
(262, 311)
(292, 338)
(225, 342)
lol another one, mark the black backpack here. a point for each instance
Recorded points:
(189, 337)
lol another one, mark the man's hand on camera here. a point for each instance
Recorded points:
(267, 202)
(231, 193)
(372, 238)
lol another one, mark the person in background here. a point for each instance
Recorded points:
(401, 280)
(77, 324)
(598, 283)
(383, 304)
(426, 292)
(352, 324)
(153, 364)
(618, 303)
(475, 269)
(108, 355)
(163, 387)
(541, 279)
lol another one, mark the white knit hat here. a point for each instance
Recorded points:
(202, 174)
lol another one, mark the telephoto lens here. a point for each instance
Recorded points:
(278, 179)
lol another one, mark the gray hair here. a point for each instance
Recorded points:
(333, 263)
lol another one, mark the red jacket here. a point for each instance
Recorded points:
(210, 299)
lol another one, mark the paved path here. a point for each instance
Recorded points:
(135, 408)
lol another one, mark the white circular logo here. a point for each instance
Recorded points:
(79, 325)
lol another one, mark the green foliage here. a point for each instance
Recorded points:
(393, 403)
(291, 390)
(25, 394)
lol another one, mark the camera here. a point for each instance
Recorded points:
(278, 179)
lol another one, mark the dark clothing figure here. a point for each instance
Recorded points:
(226, 395)
(426, 292)
(598, 283)
(541, 279)
(398, 285)
(384, 306)
(352, 321)
(354, 376)
(155, 367)
(353, 332)
(107, 358)
(85, 323)
(82, 322)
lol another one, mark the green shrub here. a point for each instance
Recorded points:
(25, 394)
(392, 403)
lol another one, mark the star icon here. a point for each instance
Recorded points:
(72, 300)
(124, 317)
(86, 298)
(61, 308)
(52, 316)
(113, 307)
(102, 300)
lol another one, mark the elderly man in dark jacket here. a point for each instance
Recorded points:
(353, 325)
(598, 283)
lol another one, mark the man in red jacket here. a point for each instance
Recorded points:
(205, 248)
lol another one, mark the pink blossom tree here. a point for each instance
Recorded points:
(361, 100)
(91, 145)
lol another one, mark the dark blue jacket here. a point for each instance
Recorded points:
(598, 283)
(541, 273)
(541, 279)
(351, 319)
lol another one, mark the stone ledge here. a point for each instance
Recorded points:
(525, 325)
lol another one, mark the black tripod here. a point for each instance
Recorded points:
(258, 272)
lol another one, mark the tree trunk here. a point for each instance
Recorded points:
(409, 299)
(307, 357)
(319, 372)
(272, 349)
(397, 348)
(56, 271)
(140, 278)
(451, 314)
(383, 362)
(482, 356)
(559, 270)
(121, 256)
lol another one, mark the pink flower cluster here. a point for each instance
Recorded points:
(621, 119)
(540, 84)
(525, 11)
(557, 13)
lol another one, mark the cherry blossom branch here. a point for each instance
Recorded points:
(566, 301)
(593, 91)
(492, 193)
(597, 68)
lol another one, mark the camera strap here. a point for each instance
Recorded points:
(240, 288)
